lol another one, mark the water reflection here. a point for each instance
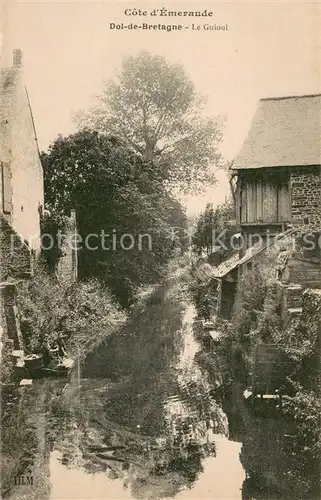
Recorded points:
(31, 422)
(138, 421)
(144, 411)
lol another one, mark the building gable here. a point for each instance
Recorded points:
(21, 178)
(284, 132)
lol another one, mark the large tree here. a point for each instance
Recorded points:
(116, 191)
(153, 105)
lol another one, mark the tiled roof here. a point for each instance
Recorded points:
(284, 132)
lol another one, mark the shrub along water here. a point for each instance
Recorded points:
(84, 312)
(256, 319)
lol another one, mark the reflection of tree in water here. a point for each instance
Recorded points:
(18, 440)
(147, 463)
(31, 427)
(273, 470)
(189, 463)
(151, 432)
(192, 419)
(149, 343)
(140, 416)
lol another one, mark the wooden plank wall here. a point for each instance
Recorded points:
(243, 198)
(259, 202)
(251, 202)
(270, 203)
(264, 200)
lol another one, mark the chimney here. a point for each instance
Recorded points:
(17, 58)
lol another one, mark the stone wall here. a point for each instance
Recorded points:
(306, 198)
(16, 258)
(10, 323)
(303, 272)
(16, 262)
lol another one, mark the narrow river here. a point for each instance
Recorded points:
(136, 420)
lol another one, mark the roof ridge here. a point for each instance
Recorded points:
(280, 98)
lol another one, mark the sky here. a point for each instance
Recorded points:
(269, 49)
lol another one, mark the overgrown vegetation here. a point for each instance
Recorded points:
(293, 443)
(214, 230)
(121, 202)
(203, 289)
(6, 366)
(83, 312)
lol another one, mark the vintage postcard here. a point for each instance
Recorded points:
(160, 262)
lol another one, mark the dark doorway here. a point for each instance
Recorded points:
(228, 296)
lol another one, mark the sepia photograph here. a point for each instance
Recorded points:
(160, 250)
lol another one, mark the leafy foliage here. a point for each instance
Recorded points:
(203, 290)
(215, 227)
(303, 410)
(6, 366)
(154, 107)
(48, 307)
(291, 442)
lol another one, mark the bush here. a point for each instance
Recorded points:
(84, 312)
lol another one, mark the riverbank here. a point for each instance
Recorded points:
(287, 430)
(137, 413)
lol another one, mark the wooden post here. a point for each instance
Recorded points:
(75, 250)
